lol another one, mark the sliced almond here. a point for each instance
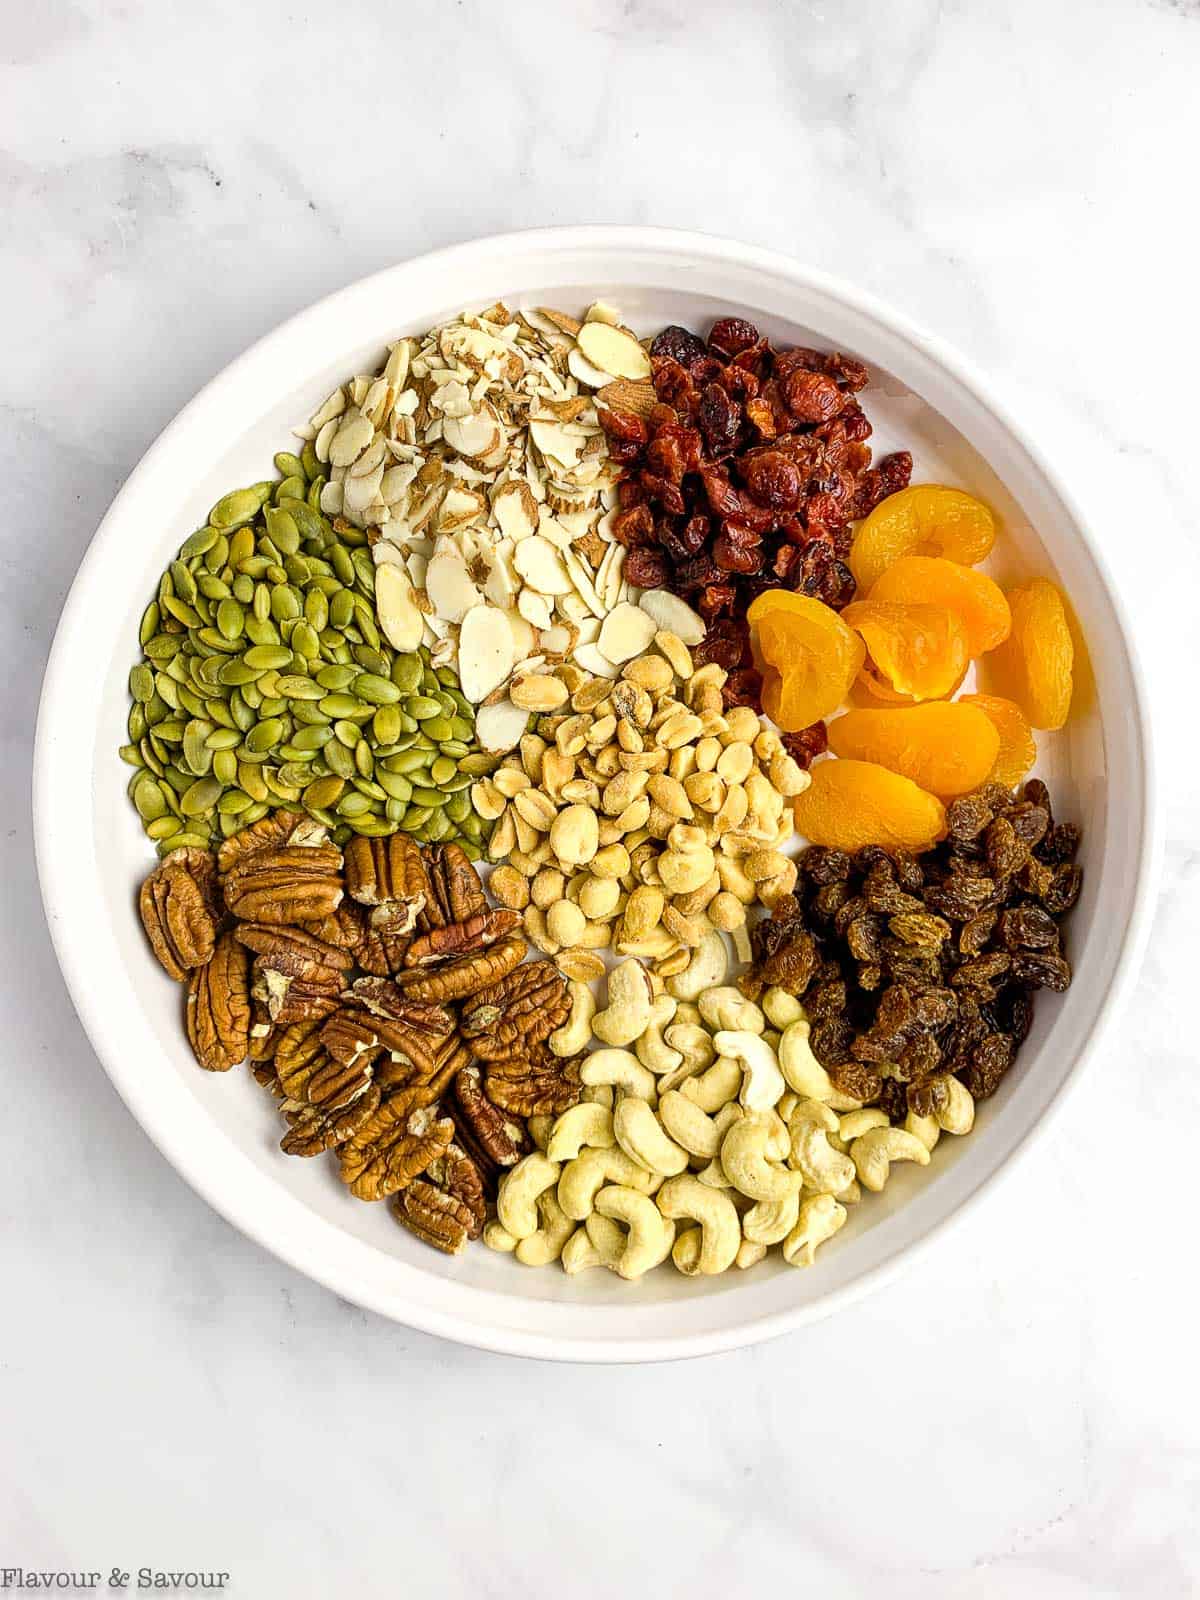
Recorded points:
(626, 632)
(554, 442)
(351, 439)
(396, 606)
(639, 399)
(449, 586)
(535, 608)
(475, 435)
(561, 320)
(502, 584)
(673, 615)
(590, 658)
(582, 369)
(500, 726)
(541, 565)
(524, 638)
(515, 509)
(601, 311)
(485, 652)
(613, 351)
(582, 579)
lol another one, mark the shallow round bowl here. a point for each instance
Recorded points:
(222, 1132)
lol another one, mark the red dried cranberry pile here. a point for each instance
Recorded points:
(746, 476)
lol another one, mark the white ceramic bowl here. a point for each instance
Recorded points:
(221, 1131)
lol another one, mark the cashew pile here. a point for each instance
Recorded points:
(708, 1133)
(641, 815)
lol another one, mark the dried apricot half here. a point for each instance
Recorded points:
(807, 655)
(919, 650)
(949, 749)
(849, 804)
(1018, 747)
(926, 519)
(975, 599)
(1034, 665)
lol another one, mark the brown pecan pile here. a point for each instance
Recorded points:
(916, 968)
(380, 999)
(746, 475)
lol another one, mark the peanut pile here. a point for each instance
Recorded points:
(641, 815)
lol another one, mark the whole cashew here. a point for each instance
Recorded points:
(821, 1166)
(696, 1052)
(749, 1254)
(584, 1177)
(688, 1125)
(781, 1008)
(650, 1235)
(727, 1007)
(855, 1123)
(770, 1221)
(688, 1011)
(804, 1072)
(924, 1128)
(539, 1249)
(820, 1218)
(597, 1094)
(720, 1226)
(652, 1049)
(685, 1252)
(714, 1173)
(582, 1125)
(497, 1237)
(516, 1202)
(957, 1116)
(750, 1153)
(716, 1087)
(630, 998)
(619, 1069)
(874, 1152)
(582, 1249)
(576, 1032)
(641, 1136)
(763, 1083)
(706, 969)
(538, 1129)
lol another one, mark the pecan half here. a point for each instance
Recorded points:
(180, 909)
(296, 975)
(465, 976)
(394, 1145)
(455, 890)
(521, 1010)
(312, 1129)
(269, 833)
(218, 1007)
(534, 1084)
(476, 932)
(383, 870)
(344, 928)
(494, 1140)
(296, 883)
(298, 1055)
(446, 1207)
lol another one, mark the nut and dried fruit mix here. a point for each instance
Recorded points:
(641, 628)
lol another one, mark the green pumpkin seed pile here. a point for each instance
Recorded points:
(265, 681)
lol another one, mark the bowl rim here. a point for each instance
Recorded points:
(55, 881)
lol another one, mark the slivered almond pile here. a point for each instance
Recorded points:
(476, 462)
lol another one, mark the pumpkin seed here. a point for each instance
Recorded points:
(438, 727)
(458, 807)
(393, 784)
(422, 706)
(385, 725)
(250, 779)
(339, 760)
(406, 673)
(198, 543)
(289, 466)
(346, 706)
(224, 739)
(163, 827)
(323, 792)
(316, 610)
(200, 798)
(225, 766)
(442, 770)
(294, 687)
(233, 802)
(235, 509)
(141, 683)
(243, 589)
(335, 678)
(265, 657)
(372, 827)
(306, 641)
(375, 689)
(147, 797)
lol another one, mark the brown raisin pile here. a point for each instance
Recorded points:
(745, 476)
(912, 968)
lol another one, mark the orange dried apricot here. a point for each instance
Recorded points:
(975, 599)
(948, 749)
(849, 804)
(870, 692)
(1018, 748)
(807, 655)
(919, 650)
(926, 519)
(1034, 664)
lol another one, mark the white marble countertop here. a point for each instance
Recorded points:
(1016, 1417)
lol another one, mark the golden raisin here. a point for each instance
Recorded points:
(948, 749)
(918, 650)
(975, 599)
(807, 655)
(1034, 664)
(1018, 748)
(850, 804)
(926, 519)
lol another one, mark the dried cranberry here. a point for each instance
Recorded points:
(694, 574)
(672, 384)
(716, 599)
(893, 473)
(731, 334)
(744, 688)
(665, 455)
(726, 643)
(771, 479)
(679, 345)
(623, 425)
(719, 419)
(738, 548)
(669, 495)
